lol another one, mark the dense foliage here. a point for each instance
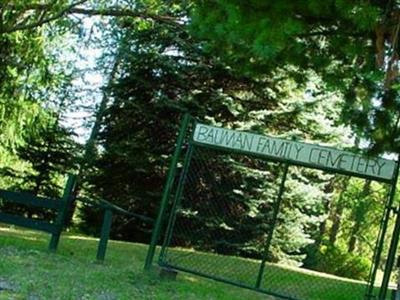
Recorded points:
(36, 149)
(324, 71)
(352, 45)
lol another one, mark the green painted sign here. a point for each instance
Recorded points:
(311, 155)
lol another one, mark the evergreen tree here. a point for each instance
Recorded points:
(51, 154)
(163, 72)
(346, 42)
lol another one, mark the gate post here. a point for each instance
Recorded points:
(177, 199)
(62, 212)
(105, 234)
(391, 257)
(274, 219)
(379, 243)
(167, 189)
(394, 242)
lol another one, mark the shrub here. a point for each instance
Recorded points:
(336, 261)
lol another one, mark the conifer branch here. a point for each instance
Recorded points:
(73, 9)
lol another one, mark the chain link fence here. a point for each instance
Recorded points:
(225, 222)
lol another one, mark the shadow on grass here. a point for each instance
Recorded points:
(73, 273)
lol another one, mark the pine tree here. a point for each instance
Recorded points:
(164, 72)
(345, 42)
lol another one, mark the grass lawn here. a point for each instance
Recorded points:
(28, 271)
(292, 282)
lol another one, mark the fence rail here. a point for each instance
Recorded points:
(60, 206)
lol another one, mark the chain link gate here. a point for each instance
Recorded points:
(211, 231)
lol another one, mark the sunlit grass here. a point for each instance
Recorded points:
(287, 281)
(73, 273)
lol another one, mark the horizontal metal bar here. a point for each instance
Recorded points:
(103, 204)
(28, 223)
(241, 285)
(290, 162)
(31, 200)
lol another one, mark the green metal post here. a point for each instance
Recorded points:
(395, 239)
(177, 199)
(62, 213)
(105, 233)
(379, 243)
(274, 220)
(391, 258)
(167, 189)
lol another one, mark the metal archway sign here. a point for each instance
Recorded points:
(287, 152)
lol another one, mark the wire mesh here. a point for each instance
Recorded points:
(222, 214)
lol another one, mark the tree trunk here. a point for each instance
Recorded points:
(90, 147)
(89, 154)
(336, 222)
(358, 216)
(336, 216)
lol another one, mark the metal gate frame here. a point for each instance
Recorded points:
(186, 122)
